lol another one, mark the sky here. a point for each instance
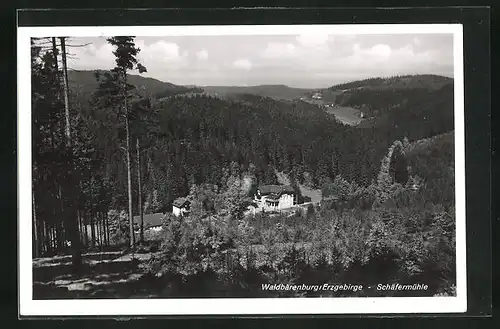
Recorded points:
(305, 61)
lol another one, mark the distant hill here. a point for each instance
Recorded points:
(423, 114)
(389, 101)
(85, 82)
(425, 81)
(274, 91)
(378, 94)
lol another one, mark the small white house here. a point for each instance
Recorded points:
(317, 96)
(180, 207)
(274, 197)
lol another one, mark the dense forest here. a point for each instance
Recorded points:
(84, 83)
(114, 147)
(426, 81)
(389, 231)
(274, 91)
(377, 103)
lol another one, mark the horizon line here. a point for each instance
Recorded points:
(278, 84)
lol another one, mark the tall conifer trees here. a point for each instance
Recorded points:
(126, 59)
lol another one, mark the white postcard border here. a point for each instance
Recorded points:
(230, 306)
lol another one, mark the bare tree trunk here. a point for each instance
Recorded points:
(86, 230)
(107, 228)
(129, 164)
(99, 227)
(92, 228)
(72, 223)
(46, 237)
(140, 188)
(41, 238)
(55, 52)
(57, 225)
(103, 225)
(151, 187)
(96, 218)
(54, 239)
(80, 225)
(36, 240)
(66, 92)
(51, 239)
(103, 233)
(57, 237)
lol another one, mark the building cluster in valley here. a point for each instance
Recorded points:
(273, 198)
(267, 198)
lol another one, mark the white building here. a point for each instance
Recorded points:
(180, 207)
(317, 96)
(274, 197)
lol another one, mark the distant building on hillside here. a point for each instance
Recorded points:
(180, 207)
(317, 96)
(152, 222)
(274, 197)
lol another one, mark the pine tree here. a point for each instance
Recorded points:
(398, 167)
(126, 59)
(72, 219)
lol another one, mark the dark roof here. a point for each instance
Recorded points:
(180, 202)
(150, 220)
(275, 189)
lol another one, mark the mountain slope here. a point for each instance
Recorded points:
(423, 111)
(425, 81)
(85, 82)
(433, 159)
(274, 91)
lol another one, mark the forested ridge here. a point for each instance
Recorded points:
(84, 84)
(393, 175)
(426, 81)
(274, 91)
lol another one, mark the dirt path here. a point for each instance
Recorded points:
(104, 274)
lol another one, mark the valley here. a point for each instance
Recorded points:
(195, 156)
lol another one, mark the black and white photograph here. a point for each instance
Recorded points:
(282, 169)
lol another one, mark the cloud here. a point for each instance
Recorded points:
(345, 38)
(278, 50)
(157, 56)
(92, 57)
(161, 54)
(202, 54)
(300, 60)
(310, 51)
(378, 53)
(381, 59)
(312, 40)
(244, 64)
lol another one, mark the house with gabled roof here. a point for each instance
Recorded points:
(152, 222)
(274, 197)
(180, 206)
